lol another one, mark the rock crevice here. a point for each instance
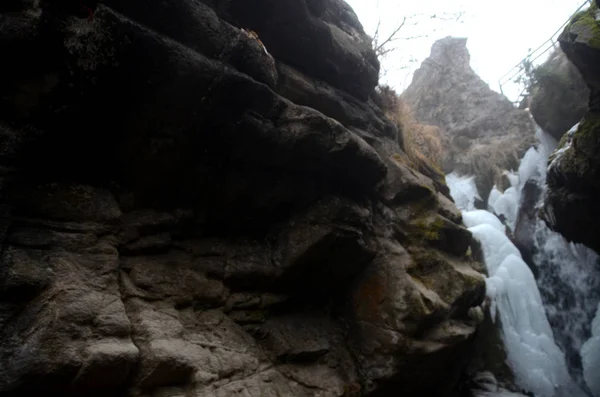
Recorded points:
(186, 223)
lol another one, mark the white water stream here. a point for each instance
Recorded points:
(568, 291)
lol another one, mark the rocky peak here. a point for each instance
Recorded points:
(451, 53)
(484, 133)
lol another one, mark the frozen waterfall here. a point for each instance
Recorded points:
(539, 325)
(590, 353)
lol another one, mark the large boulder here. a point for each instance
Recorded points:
(574, 169)
(189, 207)
(484, 133)
(559, 96)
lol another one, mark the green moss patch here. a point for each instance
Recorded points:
(582, 157)
(427, 228)
(587, 28)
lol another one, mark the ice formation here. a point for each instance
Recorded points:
(479, 217)
(539, 365)
(590, 353)
(568, 284)
(569, 287)
(463, 190)
(537, 361)
(507, 205)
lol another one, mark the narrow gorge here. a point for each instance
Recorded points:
(218, 198)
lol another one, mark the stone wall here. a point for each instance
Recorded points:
(199, 198)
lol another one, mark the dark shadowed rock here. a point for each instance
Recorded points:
(187, 208)
(527, 218)
(559, 96)
(325, 41)
(573, 190)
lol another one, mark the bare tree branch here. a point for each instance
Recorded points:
(379, 46)
(384, 47)
(376, 35)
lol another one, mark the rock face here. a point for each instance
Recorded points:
(192, 208)
(559, 96)
(484, 133)
(571, 204)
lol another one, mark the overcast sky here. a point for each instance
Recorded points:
(499, 33)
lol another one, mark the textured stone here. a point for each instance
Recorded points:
(68, 203)
(559, 96)
(335, 103)
(297, 338)
(573, 190)
(107, 364)
(484, 133)
(193, 208)
(333, 48)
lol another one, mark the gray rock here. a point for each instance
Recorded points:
(181, 217)
(298, 338)
(559, 96)
(570, 203)
(484, 133)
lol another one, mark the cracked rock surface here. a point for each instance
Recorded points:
(189, 210)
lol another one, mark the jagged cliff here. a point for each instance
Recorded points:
(484, 133)
(559, 96)
(571, 203)
(199, 198)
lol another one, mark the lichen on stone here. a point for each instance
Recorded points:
(576, 152)
(427, 229)
(585, 27)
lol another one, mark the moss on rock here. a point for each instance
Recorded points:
(573, 184)
(427, 228)
(579, 152)
(587, 135)
(585, 27)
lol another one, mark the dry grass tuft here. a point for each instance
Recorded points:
(488, 161)
(421, 142)
(430, 149)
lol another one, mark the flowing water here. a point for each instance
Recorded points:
(551, 338)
